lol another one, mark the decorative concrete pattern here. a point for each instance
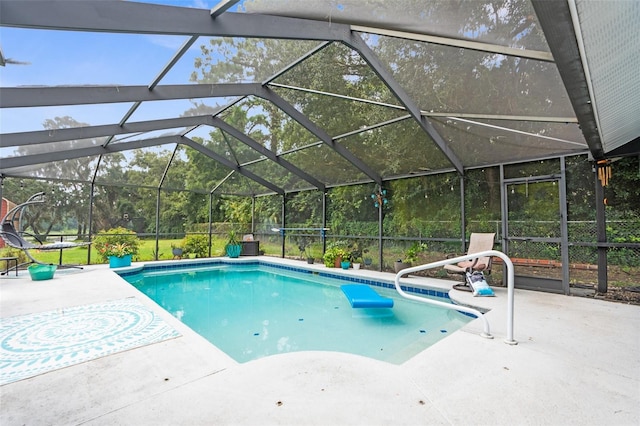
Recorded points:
(38, 343)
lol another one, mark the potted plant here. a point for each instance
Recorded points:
(310, 258)
(177, 251)
(345, 262)
(233, 248)
(355, 256)
(118, 246)
(332, 257)
(367, 259)
(119, 255)
(304, 245)
(410, 256)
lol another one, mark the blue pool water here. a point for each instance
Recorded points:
(253, 311)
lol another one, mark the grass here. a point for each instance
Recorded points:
(78, 255)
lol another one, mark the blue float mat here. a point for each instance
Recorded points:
(363, 296)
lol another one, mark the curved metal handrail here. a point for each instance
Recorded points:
(510, 287)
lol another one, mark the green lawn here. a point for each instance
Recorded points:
(78, 255)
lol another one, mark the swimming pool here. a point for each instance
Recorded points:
(254, 310)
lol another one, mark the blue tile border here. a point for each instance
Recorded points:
(214, 262)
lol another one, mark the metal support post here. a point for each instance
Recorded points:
(601, 232)
(284, 224)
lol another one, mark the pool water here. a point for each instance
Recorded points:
(254, 311)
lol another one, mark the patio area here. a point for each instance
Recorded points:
(576, 362)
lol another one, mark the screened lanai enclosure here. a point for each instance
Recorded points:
(393, 126)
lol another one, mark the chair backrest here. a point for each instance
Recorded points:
(12, 238)
(478, 242)
(12, 218)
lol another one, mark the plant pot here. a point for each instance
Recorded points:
(337, 262)
(310, 260)
(233, 250)
(345, 264)
(177, 252)
(399, 266)
(368, 261)
(356, 266)
(119, 261)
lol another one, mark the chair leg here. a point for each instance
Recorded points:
(463, 287)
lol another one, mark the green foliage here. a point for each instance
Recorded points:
(197, 244)
(232, 239)
(304, 209)
(12, 252)
(348, 206)
(355, 253)
(336, 249)
(411, 254)
(623, 192)
(304, 245)
(116, 240)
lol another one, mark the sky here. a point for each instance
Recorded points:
(77, 58)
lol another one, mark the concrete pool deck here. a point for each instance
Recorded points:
(577, 361)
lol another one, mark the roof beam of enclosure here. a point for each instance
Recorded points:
(89, 132)
(556, 22)
(58, 155)
(289, 109)
(183, 49)
(230, 164)
(28, 160)
(132, 17)
(20, 97)
(453, 42)
(141, 18)
(539, 118)
(168, 165)
(358, 44)
(222, 7)
(78, 133)
(49, 96)
(267, 153)
(223, 180)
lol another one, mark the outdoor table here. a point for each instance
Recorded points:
(7, 260)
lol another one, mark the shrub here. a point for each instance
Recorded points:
(411, 254)
(335, 250)
(12, 252)
(196, 244)
(116, 241)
